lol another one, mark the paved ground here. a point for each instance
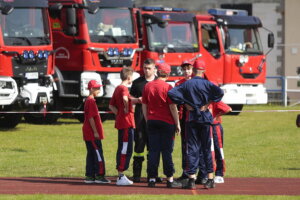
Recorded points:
(232, 186)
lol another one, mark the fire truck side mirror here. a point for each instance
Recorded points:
(71, 22)
(6, 9)
(271, 40)
(139, 24)
(71, 16)
(55, 9)
(93, 9)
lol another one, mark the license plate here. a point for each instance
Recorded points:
(117, 62)
(32, 75)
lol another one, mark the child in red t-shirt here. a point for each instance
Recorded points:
(93, 134)
(161, 115)
(187, 68)
(121, 105)
(218, 109)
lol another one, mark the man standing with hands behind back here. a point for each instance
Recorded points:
(196, 94)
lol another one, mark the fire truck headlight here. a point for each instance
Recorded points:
(25, 54)
(46, 54)
(125, 52)
(130, 51)
(110, 52)
(40, 54)
(116, 52)
(31, 54)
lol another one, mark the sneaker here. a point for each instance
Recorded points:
(174, 184)
(102, 180)
(190, 184)
(89, 180)
(123, 180)
(183, 180)
(210, 183)
(159, 180)
(151, 184)
(219, 179)
(201, 181)
(182, 177)
(136, 179)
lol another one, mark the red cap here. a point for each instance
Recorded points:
(93, 84)
(163, 68)
(199, 64)
(186, 62)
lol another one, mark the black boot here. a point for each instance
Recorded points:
(137, 168)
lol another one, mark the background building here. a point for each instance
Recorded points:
(279, 16)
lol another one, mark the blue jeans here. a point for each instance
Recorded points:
(161, 141)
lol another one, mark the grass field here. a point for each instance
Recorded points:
(257, 144)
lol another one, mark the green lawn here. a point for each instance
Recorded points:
(256, 145)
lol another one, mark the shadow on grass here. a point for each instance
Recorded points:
(9, 129)
(292, 169)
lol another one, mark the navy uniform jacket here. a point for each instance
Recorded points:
(197, 92)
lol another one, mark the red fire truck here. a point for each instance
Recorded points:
(168, 35)
(231, 47)
(25, 59)
(93, 39)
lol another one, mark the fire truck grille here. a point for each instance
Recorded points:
(250, 76)
(21, 69)
(114, 63)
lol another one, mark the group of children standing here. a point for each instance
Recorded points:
(198, 121)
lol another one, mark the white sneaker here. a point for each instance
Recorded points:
(219, 179)
(124, 181)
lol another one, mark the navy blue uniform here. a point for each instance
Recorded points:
(197, 92)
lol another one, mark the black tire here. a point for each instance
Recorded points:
(80, 117)
(236, 108)
(41, 119)
(8, 121)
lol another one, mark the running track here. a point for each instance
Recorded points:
(232, 186)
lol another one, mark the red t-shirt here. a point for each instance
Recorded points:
(157, 100)
(218, 108)
(181, 107)
(122, 120)
(91, 110)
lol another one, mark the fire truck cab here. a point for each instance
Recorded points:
(168, 35)
(25, 58)
(231, 47)
(93, 39)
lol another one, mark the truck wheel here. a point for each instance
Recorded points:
(237, 108)
(41, 119)
(80, 117)
(10, 120)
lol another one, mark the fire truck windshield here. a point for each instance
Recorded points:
(111, 25)
(25, 27)
(177, 37)
(244, 40)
